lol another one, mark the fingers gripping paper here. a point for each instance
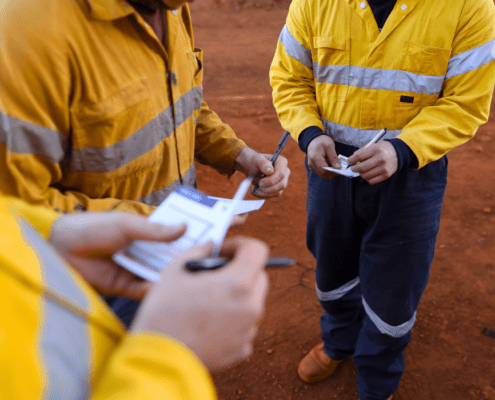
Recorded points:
(344, 171)
(207, 218)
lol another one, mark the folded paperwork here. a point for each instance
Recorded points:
(344, 171)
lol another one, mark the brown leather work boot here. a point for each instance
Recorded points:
(316, 365)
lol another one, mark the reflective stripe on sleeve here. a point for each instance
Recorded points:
(295, 49)
(471, 59)
(22, 137)
(116, 155)
(337, 293)
(382, 79)
(156, 197)
(64, 347)
(353, 136)
(386, 329)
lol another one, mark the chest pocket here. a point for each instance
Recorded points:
(196, 65)
(421, 74)
(111, 134)
(332, 69)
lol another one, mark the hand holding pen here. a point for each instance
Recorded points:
(375, 139)
(273, 159)
(375, 163)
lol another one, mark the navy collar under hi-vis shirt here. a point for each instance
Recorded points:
(381, 10)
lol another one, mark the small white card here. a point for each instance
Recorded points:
(207, 219)
(244, 206)
(344, 171)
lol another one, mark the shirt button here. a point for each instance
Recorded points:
(362, 5)
(175, 12)
(403, 7)
(172, 77)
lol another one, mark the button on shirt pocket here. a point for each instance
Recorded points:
(421, 74)
(332, 66)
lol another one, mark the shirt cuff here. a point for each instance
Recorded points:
(405, 156)
(307, 136)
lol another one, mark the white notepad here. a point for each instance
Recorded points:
(344, 171)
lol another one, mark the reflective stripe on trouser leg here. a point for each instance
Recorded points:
(386, 329)
(336, 293)
(341, 321)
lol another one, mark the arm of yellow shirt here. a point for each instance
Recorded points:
(150, 367)
(39, 217)
(291, 74)
(216, 143)
(467, 89)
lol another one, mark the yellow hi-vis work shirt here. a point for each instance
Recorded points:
(95, 113)
(59, 340)
(427, 76)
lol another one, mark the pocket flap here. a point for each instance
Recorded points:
(115, 104)
(331, 42)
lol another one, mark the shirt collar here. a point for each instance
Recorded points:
(109, 9)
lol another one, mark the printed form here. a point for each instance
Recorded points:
(207, 218)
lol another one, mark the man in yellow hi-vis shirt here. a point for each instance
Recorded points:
(102, 108)
(343, 70)
(59, 339)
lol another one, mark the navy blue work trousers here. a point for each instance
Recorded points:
(124, 308)
(374, 245)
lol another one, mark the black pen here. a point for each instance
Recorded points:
(281, 145)
(217, 262)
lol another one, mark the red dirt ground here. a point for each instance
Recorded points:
(448, 358)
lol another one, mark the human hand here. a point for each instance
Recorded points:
(376, 162)
(238, 219)
(319, 149)
(87, 241)
(252, 163)
(214, 313)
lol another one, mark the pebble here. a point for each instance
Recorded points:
(269, 351)
(487, 210)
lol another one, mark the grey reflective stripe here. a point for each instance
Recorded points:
(65, 347)
(115, 156)
(382, 79)
(353, 136)
(471, 59)
(187, 104)
(156, 197)
(337, 293)
(295, 49)
(23, 137)
(386, 329)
